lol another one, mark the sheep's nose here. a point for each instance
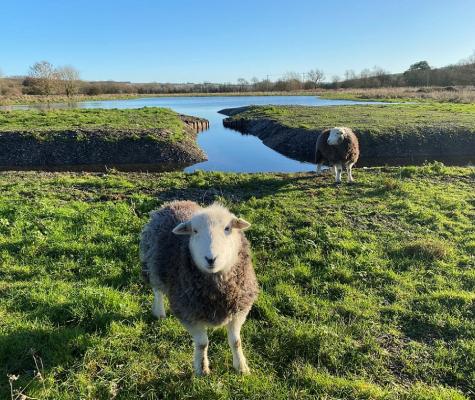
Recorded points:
(210, 261)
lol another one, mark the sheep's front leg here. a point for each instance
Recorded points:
(158, 308)
(200, 340)
(319, 169)
(337, 168)
(234, 340)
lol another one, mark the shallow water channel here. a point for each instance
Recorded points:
(227, 150)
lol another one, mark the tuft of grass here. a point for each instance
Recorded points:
(427, 249)
(366, 290)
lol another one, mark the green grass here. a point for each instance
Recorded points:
(367, 290)
(373, 119)
(44, 124)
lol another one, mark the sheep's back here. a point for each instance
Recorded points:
(160, 248)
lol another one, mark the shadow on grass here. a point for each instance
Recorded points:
(243, 190)
(58, 346)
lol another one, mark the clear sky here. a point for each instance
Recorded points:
(218, 41)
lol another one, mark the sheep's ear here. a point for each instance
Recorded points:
(239, 223)
(183, 229)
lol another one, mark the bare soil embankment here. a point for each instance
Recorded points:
(96, 149)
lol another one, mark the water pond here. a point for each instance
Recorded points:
(227, 150)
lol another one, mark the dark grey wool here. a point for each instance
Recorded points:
(194, 296)
(348, 151)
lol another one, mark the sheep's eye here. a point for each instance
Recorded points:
(227, 229)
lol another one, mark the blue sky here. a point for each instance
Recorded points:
(218, 41)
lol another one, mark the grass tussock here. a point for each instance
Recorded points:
(341, 314)
(427, 249)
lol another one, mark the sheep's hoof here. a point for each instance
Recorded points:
(243, 370)
(158, 315)
(203, 372)
(337, 183)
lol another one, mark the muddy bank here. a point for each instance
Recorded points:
(444, 144)
(96, 150)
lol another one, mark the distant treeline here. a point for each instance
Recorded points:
(45, 79)
(418, 74)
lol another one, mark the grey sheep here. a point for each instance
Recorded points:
(200, 259)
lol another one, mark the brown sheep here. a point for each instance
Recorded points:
(337, 147)
(200, 259)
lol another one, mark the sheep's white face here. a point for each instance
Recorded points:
(336, 136)
(214, 238)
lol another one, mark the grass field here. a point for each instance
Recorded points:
(45, 124)
(40, 99)
(373, 119)
(367, 290)
(464, 94)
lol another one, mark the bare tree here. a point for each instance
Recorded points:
(290, 81)
(242, 83)
(69, 79)
(381, 76)
(467, 61)
(350, 74)
(291, 76)
(43, 78)
(316, 76)
(336, 81)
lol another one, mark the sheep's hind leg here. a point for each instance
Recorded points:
(200, 340)
(234, 340)
(158, 308)
(350, 174)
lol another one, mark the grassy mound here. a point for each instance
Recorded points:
(396, 134)
(414, 119)
(367, 290)
(114, 123)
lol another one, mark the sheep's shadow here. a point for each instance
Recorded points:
(257, 187)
